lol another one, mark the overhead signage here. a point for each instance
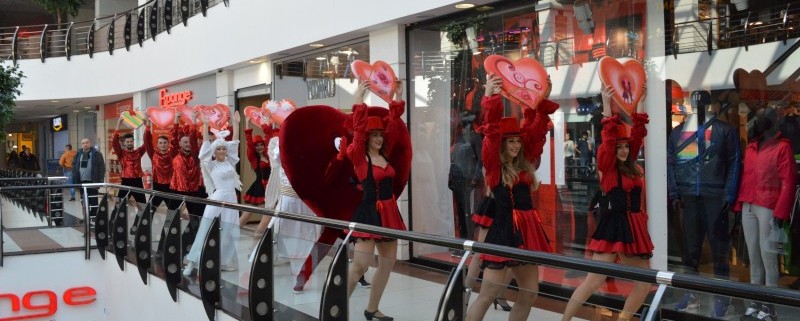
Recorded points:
(176, 99)
(43, 303)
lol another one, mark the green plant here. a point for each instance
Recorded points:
(10, 81)
(457, 31)
(61, 8)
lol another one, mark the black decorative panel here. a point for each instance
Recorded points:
(452, 302)
(90, 39)
(171, 252)
(262, 294)
(168, 15)
(153, 21)
(120, 225)
(43, 43)
(209, 270)
(185, 12)
(204, 6)
(128, 31)
(333, 306)
(111, 36)
(142, 245)
(101, 227)
(68, 42)
(140, 27)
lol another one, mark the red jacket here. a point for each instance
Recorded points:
(131, 160)
(769, 178)
(186, 176)
(162, 162)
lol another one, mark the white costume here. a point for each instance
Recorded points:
(295, 239)
(221, 182)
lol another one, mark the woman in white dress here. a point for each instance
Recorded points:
(218, 161)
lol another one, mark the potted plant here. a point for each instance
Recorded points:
(10, 81)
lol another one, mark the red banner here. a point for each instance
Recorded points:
(113, 110)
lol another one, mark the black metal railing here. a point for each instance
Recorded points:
(334, 294)
(109, 33)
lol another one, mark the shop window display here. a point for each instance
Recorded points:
(712, 104)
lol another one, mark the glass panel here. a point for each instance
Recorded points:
(298, 281)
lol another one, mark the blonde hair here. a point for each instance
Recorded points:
(511, 168)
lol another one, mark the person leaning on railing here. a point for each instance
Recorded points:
(621, 230)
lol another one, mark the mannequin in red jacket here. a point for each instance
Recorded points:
(766, 196)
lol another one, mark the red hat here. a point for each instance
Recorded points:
(509, 126)
(622, 133)
(257, 139)
(374, 123)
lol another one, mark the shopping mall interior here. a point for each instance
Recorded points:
(707, 93)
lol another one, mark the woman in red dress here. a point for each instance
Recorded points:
(378, 207)
(510, 157)
(259, 161)
(622, 229)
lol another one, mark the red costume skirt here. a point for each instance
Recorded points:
(615, 239)
(390, 218)
(528, 224)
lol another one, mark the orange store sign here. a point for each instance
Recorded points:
(176, 99)
(42, 303)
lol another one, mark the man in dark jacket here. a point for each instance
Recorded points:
(703, 170)
(89, 167)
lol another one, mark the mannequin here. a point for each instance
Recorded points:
(766, 196)
(703, 158)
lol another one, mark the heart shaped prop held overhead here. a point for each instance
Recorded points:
(161, 117)
(217, 115)
(134, 119)
(383, 81)
(279, 110)
(186, 115)
(524, 80)
(257, 115)
(627, 78)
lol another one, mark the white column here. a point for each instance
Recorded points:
(225, 88)
(655, 148)
(389, 45)
(140, 104)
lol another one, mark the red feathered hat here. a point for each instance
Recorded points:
(374, 123)
(257, 139)
(509, 126)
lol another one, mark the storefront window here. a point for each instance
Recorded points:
(720, 107)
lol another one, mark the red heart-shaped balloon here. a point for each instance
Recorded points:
(627, 79)
(279, 110)
(161, 117)
(383, 81)
(752, 86)
(217, 115)
(524, 80)
(257, 115)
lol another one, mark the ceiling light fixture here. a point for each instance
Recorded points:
(321, 58)
(54, 101)
(316, 45)
(483, 8)
(76, 111)
(256, 61)
(87, 107)
(465, 5)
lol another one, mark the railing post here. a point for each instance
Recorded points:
(43, 43)
(14, 45)
(68, 42)
(746, 28)
(209, 269)
(785, 22)
(452, 302)
(86, 235)
(709, 35)
(90, 39)
(261, 294)
(664, 280)
(334, 303)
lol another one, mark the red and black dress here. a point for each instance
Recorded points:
(262, 168)
(511, 218)
(378, 206)
(623, 227)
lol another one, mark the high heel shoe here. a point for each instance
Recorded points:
(371, 315)
(502, 303)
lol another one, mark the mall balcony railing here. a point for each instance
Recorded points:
(218, 292)
(108, 33)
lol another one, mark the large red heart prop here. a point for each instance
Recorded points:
(161, 117)
(381, 76)
(524, 80)
(186, 115)
(627, 79)
(217, 114)
(257, 115)
(752, 86)
(279, 110)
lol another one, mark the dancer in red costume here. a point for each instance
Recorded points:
(510, 157)
(622, 231)
(371, 142)
(161, 160)
(186, 178)
(259, 161)
(131, 161)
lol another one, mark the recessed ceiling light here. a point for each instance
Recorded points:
(484, 8)
(76, 111)
(256, 61)
(87, 107)
(316, 45)
(54, 101)
(465, 5)
(322, 58)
